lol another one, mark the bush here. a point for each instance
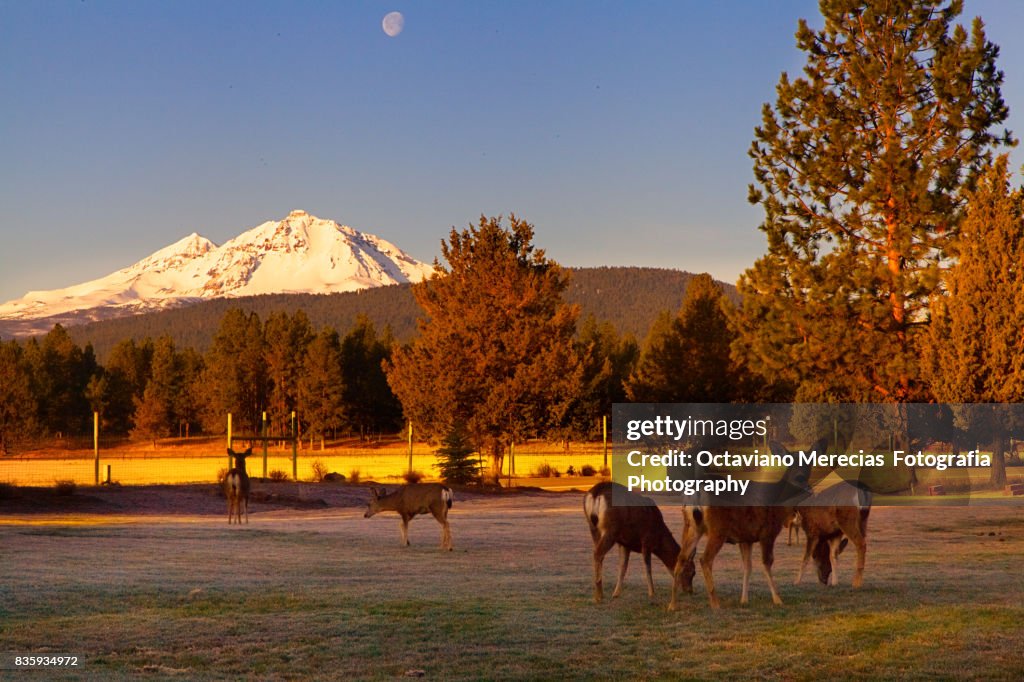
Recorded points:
(319, 470)
(278, 475)
(413, 476)
(545, 470)
(587, 470)
(66, 488)
(222, 474)
(354, 476)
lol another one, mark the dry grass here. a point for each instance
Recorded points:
(330, 595)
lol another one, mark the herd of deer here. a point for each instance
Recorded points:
(829, 519)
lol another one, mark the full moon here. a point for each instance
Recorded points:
(393, 23)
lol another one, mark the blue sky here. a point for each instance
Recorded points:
(619, 129)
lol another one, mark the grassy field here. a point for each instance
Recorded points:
(330, 595)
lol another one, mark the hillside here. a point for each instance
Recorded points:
(628, 297)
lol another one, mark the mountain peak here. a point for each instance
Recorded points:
(298, 254)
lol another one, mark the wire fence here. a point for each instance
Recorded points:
(206, 460)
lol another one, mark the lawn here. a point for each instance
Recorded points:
(327, 594)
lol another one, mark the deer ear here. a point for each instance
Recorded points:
(231, 452)
(374, 493)
(248, 451)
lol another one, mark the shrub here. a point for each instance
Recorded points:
(278, 475)
(587, 470)
(545, 470)
(66, 488)
(413, 476)
(354, 476)
(319, 470)
(222, 474)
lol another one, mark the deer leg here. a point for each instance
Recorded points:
(767, 559)
(623, 564)
(745, 551)
(856, 536)
(600, 549)
(405, 530)
(244, 505)
(647, 574)
(446, 532)
(833, 559)
(808, 549)
(707, 559)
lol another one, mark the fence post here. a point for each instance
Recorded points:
(96, 444)
(295, 450)
(230, 463)
(604, 438)
(264, 444)
(410, 446)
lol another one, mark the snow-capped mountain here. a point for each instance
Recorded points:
(300, 254)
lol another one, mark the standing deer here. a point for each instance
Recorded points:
(829, 519)
(236, 487)
(635, 525)
(413, 499)
(743, 525)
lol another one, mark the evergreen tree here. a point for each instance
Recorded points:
(973, 352)
(17, 403)
(235, 376)
(456, 461)
(369, 403)
(126, 374)
(152, 415)
(495, 350)
(608, 360)
(860, 168)
(287, 339)
(688, 358)
(321, 385)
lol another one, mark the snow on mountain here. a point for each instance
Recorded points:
(300, 254)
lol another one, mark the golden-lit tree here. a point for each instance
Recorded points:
(495, 352)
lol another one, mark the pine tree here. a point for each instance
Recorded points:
(17, 403)
(456, 461)
(974, 351)
(495, 350)
(235, 375)
(321, 385)
(860, 168)
(287, 339)
(152, 415)
(369, 403)
(687, 358)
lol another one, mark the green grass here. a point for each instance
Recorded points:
(330, 595)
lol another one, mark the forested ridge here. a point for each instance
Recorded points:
(628, 297)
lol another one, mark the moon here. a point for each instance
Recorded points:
(393, 23)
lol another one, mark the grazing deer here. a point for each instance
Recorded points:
(635, 525)
(829, 519)
(236, 487)
(413, 499)
(743, 525)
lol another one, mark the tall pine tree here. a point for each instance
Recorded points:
(974, 351)
(860, 167)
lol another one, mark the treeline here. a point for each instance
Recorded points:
(629, 298)
(153, 388)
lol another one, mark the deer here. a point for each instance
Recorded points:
(743, 524)
(413, 499)
(236, 487)
(635, 525)
(830, 519)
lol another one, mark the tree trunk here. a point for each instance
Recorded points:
(998, 478)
